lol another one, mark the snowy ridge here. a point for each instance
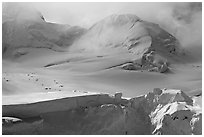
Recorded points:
(166, 111)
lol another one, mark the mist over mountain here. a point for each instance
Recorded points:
(184, 21)
(152, 47)
(25, 27)
(124, 69)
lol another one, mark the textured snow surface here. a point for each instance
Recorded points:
(166, 111)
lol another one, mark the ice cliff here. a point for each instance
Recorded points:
(162, 111)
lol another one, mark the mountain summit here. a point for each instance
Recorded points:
(151, 45)
(130, 31)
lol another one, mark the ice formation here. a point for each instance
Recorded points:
(162, 111)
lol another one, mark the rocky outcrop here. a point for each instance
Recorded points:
(151, 62)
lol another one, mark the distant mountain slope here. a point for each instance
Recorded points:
(152, 47)
(150, 44)
(25, 27)
(131, 32)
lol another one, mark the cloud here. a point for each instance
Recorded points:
(184, 21)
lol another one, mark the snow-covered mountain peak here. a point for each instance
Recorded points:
(121, 19)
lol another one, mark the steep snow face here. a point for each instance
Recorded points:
(166, 111)
(24, 28)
